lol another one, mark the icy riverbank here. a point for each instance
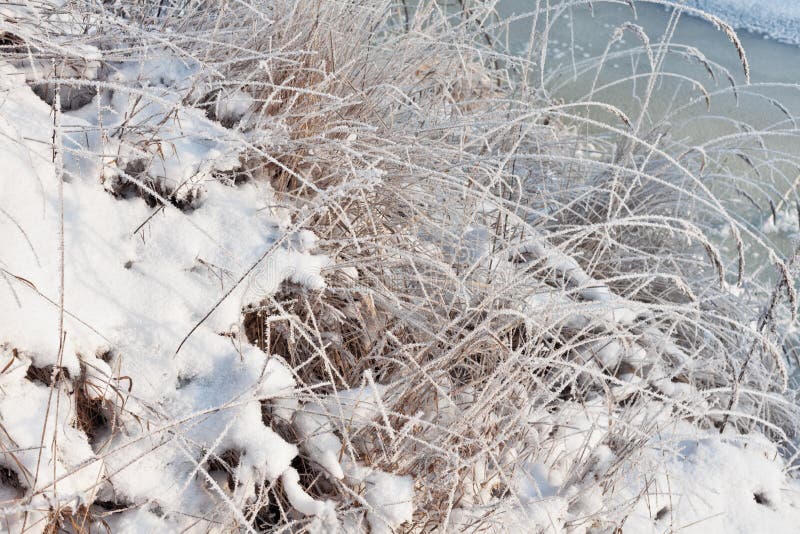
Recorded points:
(358, 282)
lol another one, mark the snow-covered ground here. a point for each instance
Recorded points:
(131, 399)
(135, 281)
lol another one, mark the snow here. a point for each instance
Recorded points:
(391, 500)
(783, 223)
(778, 19)
(231, 107)
(320, 442)
(389, 497)
(711, 484)
(300, 500)
(66, 470)
(138, 278)
(357, 406)
(720, 485)
(139, 292)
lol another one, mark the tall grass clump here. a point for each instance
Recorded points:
(514, 280)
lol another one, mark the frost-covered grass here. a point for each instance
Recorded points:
(335, 266)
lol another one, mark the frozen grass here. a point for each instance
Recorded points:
(528, 309)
